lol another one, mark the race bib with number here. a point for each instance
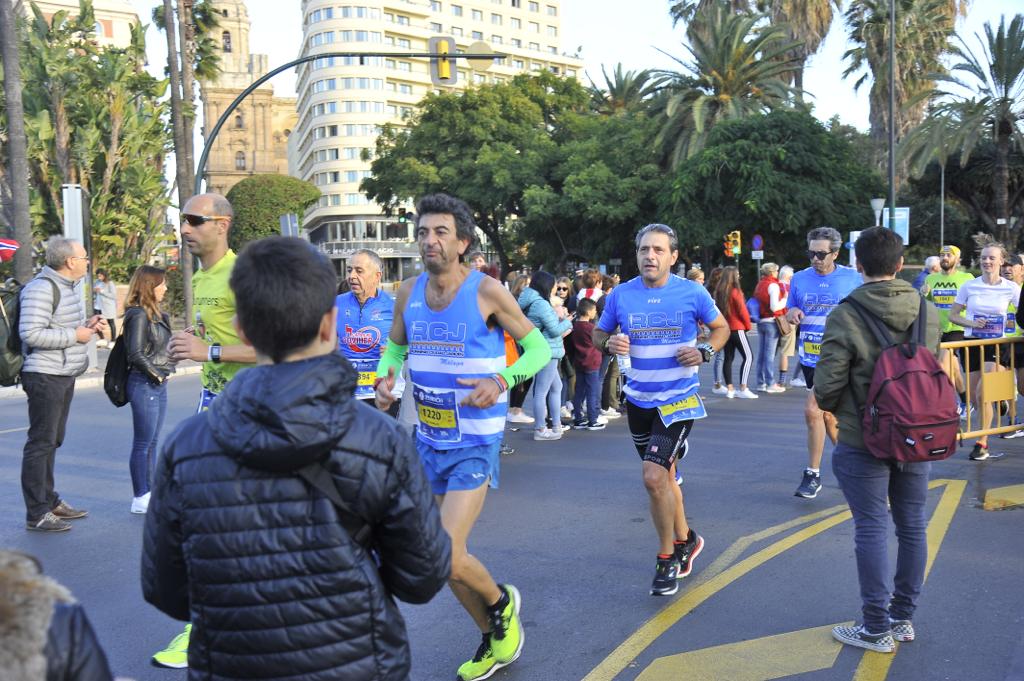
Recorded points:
(994, 324)
(438, 413)
(943, 298)
(367, 370)
(687, 409)
(1010, 327)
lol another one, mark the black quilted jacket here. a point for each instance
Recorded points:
(256, 559)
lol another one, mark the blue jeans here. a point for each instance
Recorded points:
(588, 387)
(149, 404)
(769, 333)
(866, 483)
(547, 389)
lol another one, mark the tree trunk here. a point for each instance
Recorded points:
(1001, 188)
(17, 142)
(181, 167)
(187, 38)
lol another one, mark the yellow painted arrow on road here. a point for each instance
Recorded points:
(760, 659)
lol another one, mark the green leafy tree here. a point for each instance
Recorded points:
(486, 146)
(737, 68)
(624, 91)
(780, 175)
(807, 22)
(93, 117)
(259, 201)
(605, 184)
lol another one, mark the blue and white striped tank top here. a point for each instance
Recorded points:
(816, 295)
(658, 322)
(444, 346)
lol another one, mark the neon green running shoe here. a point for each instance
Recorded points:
(175, 655)
(483, 663)
(506, 629)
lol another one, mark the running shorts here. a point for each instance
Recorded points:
(654, 441)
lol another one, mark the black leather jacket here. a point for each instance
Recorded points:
(240, 545)
(73, 652)
(146, 342)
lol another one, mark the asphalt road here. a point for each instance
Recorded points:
(570, 528)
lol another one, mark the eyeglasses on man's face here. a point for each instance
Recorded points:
(79, 257)
(197, 220)
(820, 255)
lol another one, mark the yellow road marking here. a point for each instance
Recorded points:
(1004, 497)
(637, 642)
(760, 659)
(629, 649)
(875, 666)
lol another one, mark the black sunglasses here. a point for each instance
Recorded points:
(196, 220)
(561, 288)
(820, 255)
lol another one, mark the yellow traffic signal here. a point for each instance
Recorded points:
(736, 242)
(442, 67)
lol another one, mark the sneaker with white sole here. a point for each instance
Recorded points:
(519, 418)
(719, 390)
(859, 637)
(175, 655)
(799, 382)
(547, 434)
(775, 389)
(762, 388)
(610, 413)
(746, 394)
(566, 412)
(48, 523)
(140, 504)
(902, 630)
(809, 486)
(729, 394)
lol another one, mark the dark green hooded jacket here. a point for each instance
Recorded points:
(849, 349)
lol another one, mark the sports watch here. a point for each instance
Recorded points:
(706, 351)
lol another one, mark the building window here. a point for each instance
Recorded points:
(496, 19)
(435, 27)
(435, 6)
(515, 42)
(533, 6)
(402, 20)
(239, 160)
(318, 39)
(518, 63)
(515, 23)
(478, 15)
(517, 3)
(496, 40)
(552, 11)
(456, 31)
(457, 10)
(535, 47)
(477, 35)
(225, 41)
(552, 32)
(239, 123)
(534, 27)
(360, 13)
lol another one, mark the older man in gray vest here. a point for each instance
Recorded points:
(54, 333)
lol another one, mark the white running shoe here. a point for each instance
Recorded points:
(610, 413)
(745, 394)
(566, 412)
(762, 388)
(720, 390)
(775, 389)
(140, 504)
(799, 382)
(519, 418)
(729, 394)
(547, 434)
(602, 420)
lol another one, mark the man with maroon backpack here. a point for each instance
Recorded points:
(870, 471)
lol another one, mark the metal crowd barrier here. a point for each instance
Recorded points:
(997, 387)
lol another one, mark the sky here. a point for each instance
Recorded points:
(605, 35)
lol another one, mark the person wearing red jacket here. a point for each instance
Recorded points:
(729, 299)
(771, 303)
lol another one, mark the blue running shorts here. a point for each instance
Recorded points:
(454, 470)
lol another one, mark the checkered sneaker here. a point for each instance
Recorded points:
(902, 630)
(859, 637)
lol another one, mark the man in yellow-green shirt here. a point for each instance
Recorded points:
(941, 288)
(212, 339)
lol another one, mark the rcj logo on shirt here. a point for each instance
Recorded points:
(438, 339)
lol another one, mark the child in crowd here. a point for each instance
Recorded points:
(587, 363)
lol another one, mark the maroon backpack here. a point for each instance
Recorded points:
(910, 414)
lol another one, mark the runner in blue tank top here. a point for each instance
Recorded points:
(657, 315)
(364, 322)
(450, 322)
(813, 294)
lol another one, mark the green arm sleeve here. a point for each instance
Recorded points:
(536, 353)
(393, 357)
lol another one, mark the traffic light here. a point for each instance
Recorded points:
(406, 216)
(442, 67)
(735, 242)
(727, 247)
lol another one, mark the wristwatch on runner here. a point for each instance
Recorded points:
(706, 351)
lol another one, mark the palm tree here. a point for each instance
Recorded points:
(937, 138)
(624, 90)
(16, 146)
(738, 69)
(808, 22)
(994, 108)
(923, 32)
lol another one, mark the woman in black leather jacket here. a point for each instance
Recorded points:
(147, 332)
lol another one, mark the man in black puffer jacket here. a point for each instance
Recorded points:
(238, 543)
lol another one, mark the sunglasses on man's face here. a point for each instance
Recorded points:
(196, 220)
(819, 255)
